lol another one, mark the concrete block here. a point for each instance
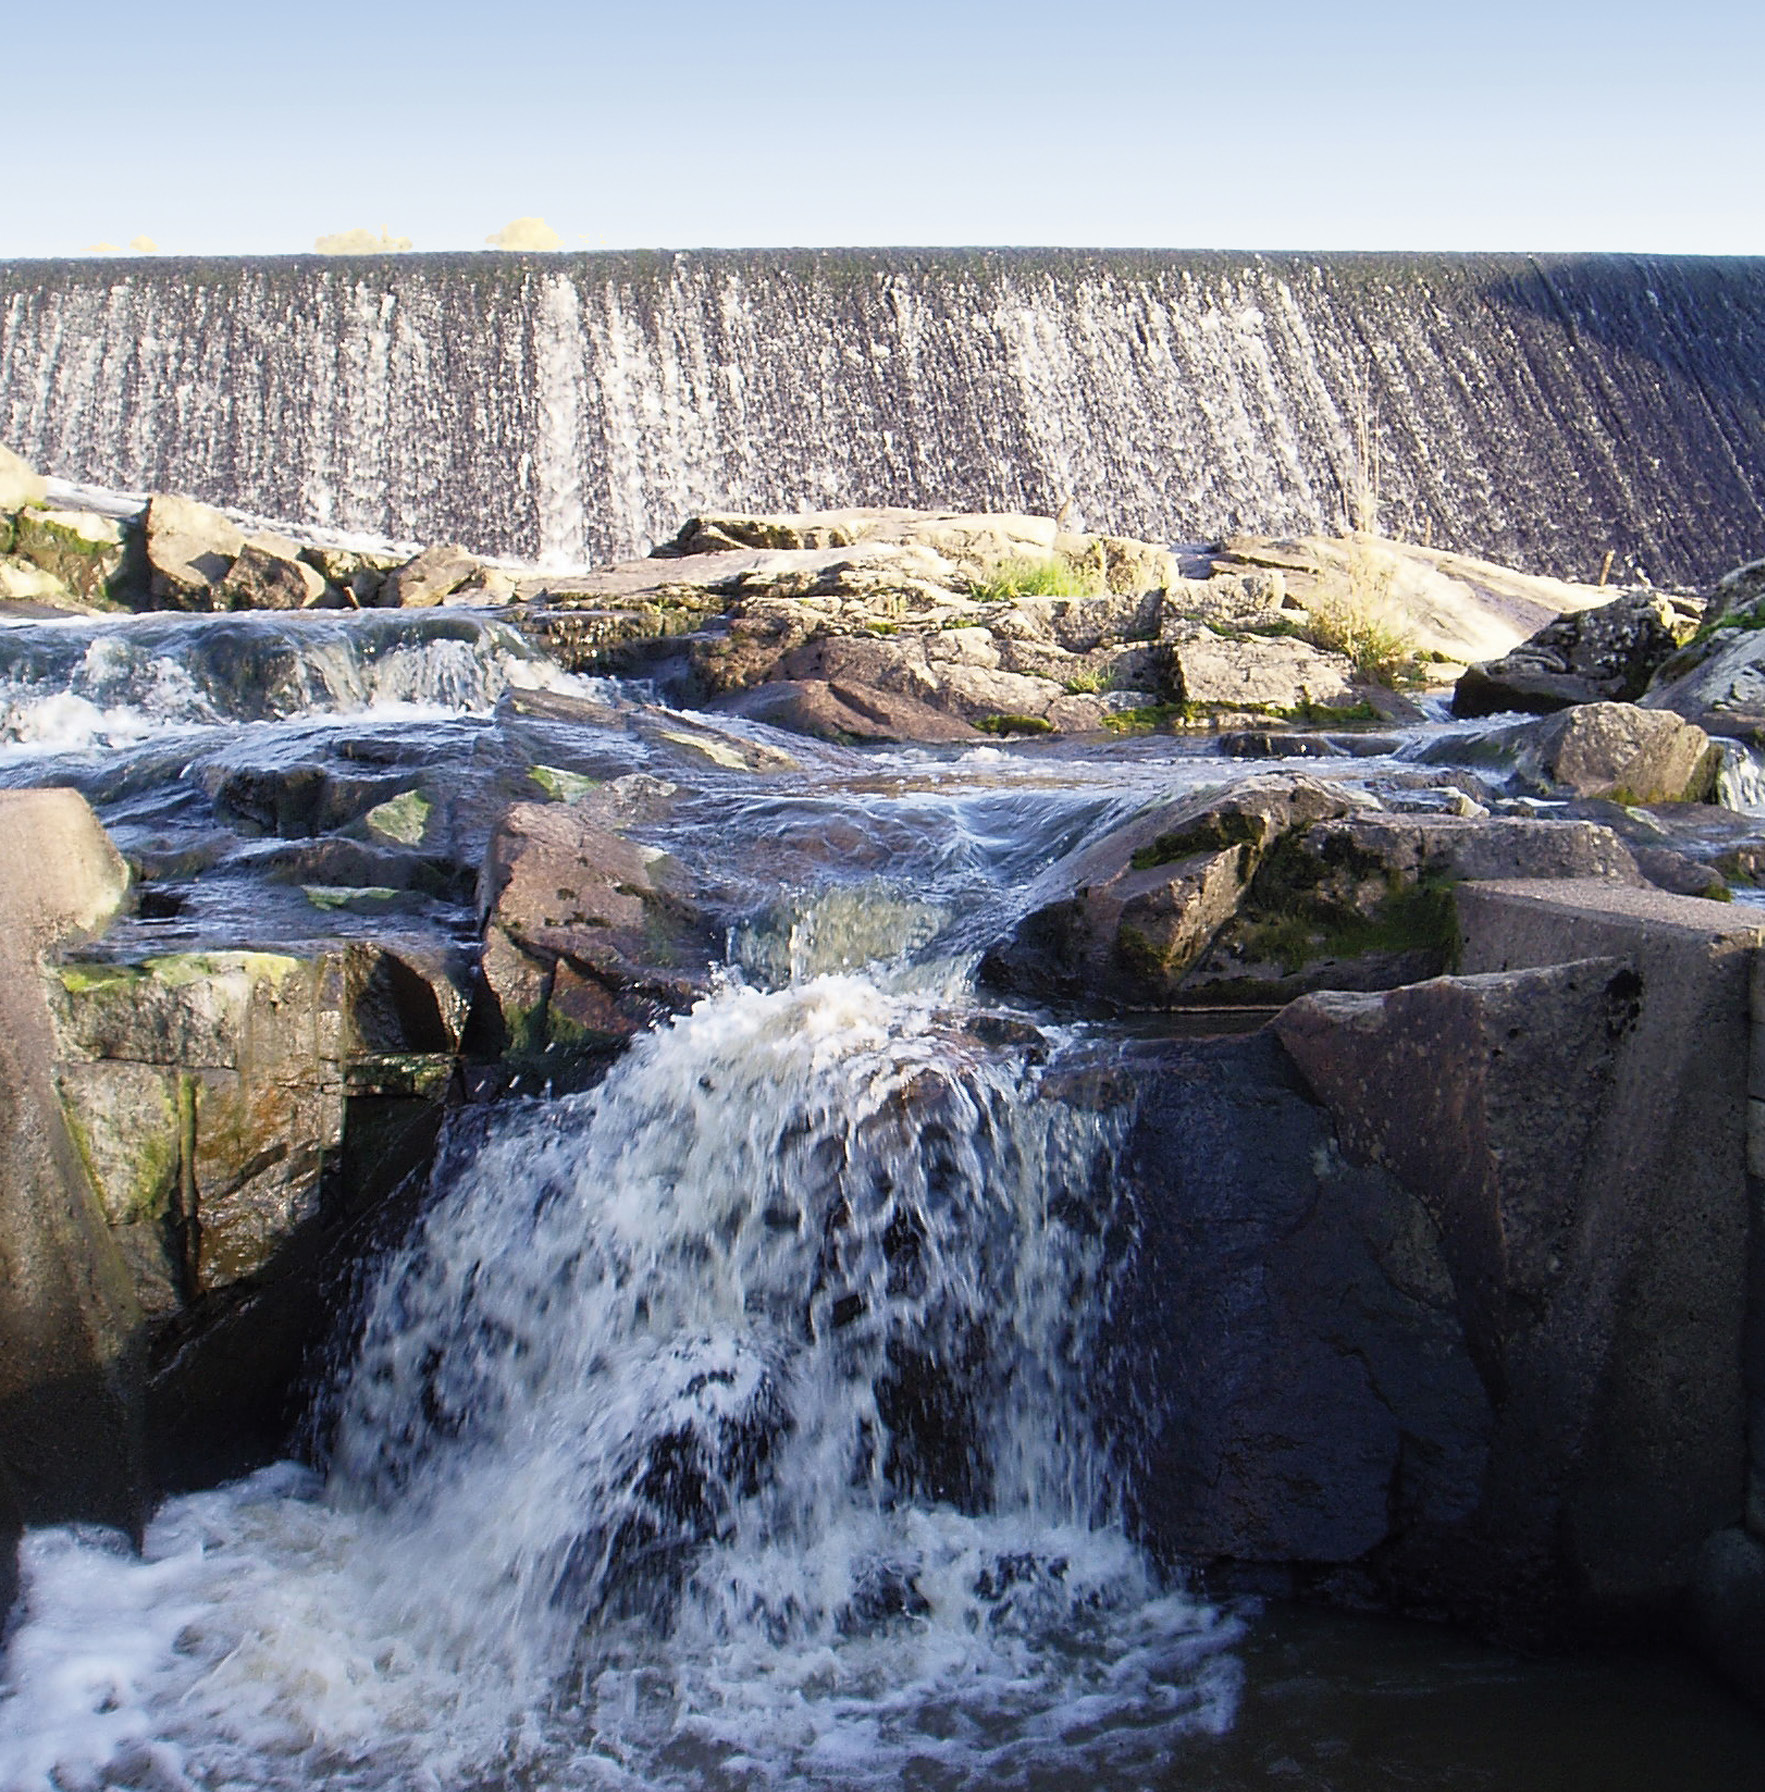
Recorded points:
(1648, 1342)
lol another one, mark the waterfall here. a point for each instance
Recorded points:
(727, 1423)
(1543, 410)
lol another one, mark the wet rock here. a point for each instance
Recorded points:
(20, 483)
(91, 556)
(1127, 918)
(208, 1092)
(1366, 901)
(1606, 654)
(589, 936)
(269, 574)
(435, 574)
(1280, 885)
(1570, 1114)
(1613, 750)
(1722, 676)
(845, 712)
(70, 1327)
(190, 549)
(1636, 1391)
(1482, 1095)
(1315, 1398)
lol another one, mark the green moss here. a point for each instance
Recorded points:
(1736, 621)
(1091, 684)
(882, 628)
(1009, 724)
(1325, 715)
(403, 818)
(560, 785)
(348, 896)
(1213, 832)
(1292, 916)
(1151, 717)
(175, 970)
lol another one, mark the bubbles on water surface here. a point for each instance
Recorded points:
(65, 687)
(722, 1426)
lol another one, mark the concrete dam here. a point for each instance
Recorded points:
(1541, 410)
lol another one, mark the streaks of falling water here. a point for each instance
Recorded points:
(1540, 410)
(726, 1422)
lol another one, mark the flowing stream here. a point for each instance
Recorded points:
(727, 1424)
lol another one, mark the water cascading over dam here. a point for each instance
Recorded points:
(1541, 410)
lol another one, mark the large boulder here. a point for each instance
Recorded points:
(241, 1116)
(190, 550)
(1571, 1114)
(70, 1327)
(1274, 674)
(1367, 901)
(1606, 654)
(845, 712)
(1721, 676)
(1435, 602)
(1125, 919)
(1285, 1360)
(1616, 750)
(1588, 1148)
(589, 937)
(1279, 885)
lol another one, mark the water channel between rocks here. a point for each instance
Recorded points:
(735, 1420)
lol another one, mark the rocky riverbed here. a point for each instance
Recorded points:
(1412, 1054)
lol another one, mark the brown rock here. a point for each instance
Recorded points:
(589, 936)
(1126, 919)
(434, 574)
(70, 1366)
(1616, 750)
(1257, 672)
(270, 575)
(845, 712)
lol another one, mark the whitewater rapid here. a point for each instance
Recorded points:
(724, 1425)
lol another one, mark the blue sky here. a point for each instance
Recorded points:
(1484, 125)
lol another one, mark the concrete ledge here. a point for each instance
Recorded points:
(1647, 1350)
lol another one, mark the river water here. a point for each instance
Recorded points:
(726, 1424)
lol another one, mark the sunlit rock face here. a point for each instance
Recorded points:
(1541, 410)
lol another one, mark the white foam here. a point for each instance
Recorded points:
(620, 1494)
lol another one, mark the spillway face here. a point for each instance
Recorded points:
(1542, 410)
(727, 1420)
